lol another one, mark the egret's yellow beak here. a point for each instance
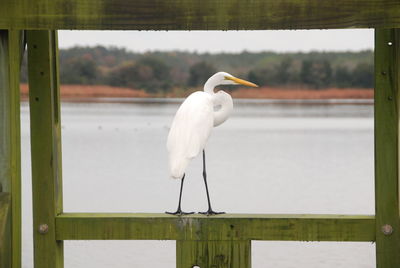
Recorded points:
(241, 81)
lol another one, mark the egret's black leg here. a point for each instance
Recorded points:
(179, 212)
(209, 211)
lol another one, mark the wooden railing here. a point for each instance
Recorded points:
(198, 236)
(199, 15)
(223, 240)
(227, 227)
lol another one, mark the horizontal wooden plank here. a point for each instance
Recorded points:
(198, 15)
(135, 226)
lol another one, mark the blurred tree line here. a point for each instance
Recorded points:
(162, 71)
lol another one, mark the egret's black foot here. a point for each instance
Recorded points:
(211, 212)
(179, 213)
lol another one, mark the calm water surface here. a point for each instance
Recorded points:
(269, 157)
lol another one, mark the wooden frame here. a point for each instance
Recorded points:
(235, 227)
(387, 111)
(197, 236)
(199, 15)
(44, 102)
(11, 47)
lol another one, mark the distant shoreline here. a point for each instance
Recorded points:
(77, 92)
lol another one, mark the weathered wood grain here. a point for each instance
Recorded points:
(199, 15)
(218, 254)
(45, 146)
(92, 226)
(387, 101)
(10, 155)
(5, 230)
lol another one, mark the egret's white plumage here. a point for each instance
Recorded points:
(189, 131)
(194, 120)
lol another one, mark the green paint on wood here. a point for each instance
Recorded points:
(198, 15)
(5, 144)
(387, 100)
(5, 230)
(45, 146)
(10, 156)
(218, 254)
(114, 226)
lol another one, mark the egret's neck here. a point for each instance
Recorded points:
(210, 85)
(223, 101)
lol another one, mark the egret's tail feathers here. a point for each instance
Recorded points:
(177, 168)
(173, 177)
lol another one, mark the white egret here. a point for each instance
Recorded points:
(192, 125)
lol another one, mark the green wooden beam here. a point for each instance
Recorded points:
(130, 226)
(5, 230)
(198, 15)
(387, 111)
(45, 146)
(10, 142)
(218, 254)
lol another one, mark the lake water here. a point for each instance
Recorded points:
(269, 157)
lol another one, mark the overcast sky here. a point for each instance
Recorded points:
(218, 41)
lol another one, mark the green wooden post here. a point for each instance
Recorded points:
(45, 146)
(218, 254)
(10, 155)
(387, 101)
(5, 230)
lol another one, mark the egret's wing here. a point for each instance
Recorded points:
(189, 131)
